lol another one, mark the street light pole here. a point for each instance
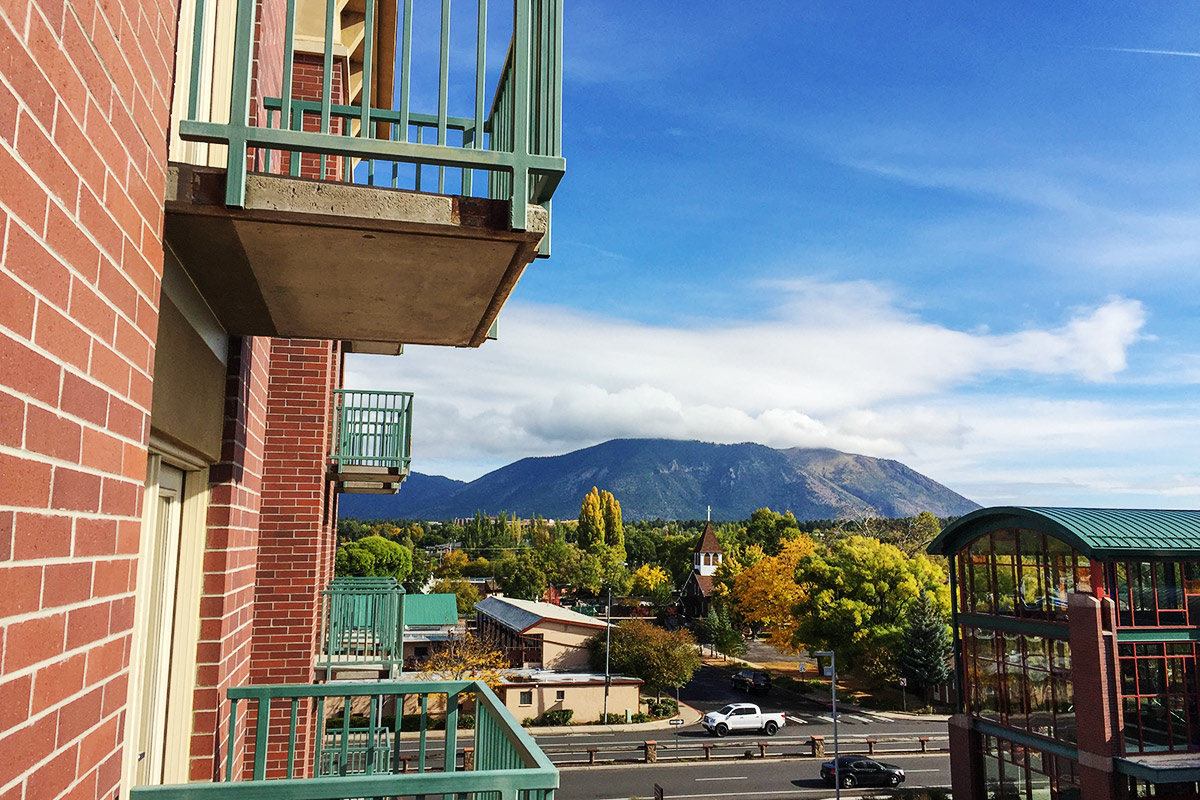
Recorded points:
(837, 776)
(607, 648)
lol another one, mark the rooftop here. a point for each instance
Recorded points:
(521, 615)
(430, 610)
(1099, 533)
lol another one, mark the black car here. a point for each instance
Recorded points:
(752, 680)
(859, 771)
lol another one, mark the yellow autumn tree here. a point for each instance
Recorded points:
(766, 592)
(647, 578)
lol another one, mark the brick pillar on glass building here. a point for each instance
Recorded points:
(1092, 622)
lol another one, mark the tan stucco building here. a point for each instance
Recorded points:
(531, 693)
(540, 635)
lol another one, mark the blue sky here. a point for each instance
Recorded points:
(964, 236)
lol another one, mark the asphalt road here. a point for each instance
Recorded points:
(780, 779)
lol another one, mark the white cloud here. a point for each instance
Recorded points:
(836, 364)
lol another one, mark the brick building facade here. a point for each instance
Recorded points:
(167, 510)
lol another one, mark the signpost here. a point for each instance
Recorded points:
(904, 694)
(676, 724)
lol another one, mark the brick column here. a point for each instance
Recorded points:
(966, 758)
(296, 534)
(1092, 626)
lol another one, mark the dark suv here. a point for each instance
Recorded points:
(859, 771)
(752, 680)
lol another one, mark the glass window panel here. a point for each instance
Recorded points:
(1154, 723)
(1039, 786)
(1175, 676)
(1031, 543)
(1144, 610)
(1177, 717)
(1124, 613)
(1133, 735)
(1169, 581)
(1006, 588)
(1128, 676)
(982, 601)
(1030, 595)
(1151, 679)
(991, 778)
(1083, 574)
(1004, 543)
(1191, 577)
(985, 643)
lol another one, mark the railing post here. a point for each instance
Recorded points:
(924, 740)
(239, 105)
(871, 746)
(651, 748)
(817, 745)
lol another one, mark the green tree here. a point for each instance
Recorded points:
(466, 595)
(422, 571)
(717, 630)
(854, 597)
(769, 530)
(373, 556)
(526, 581)
(928, 646)
(663, 659)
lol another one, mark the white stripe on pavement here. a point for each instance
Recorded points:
(797, 720)
(731, 778)
(867, 720)
(823, 719)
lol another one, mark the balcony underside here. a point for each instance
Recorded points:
(367, 480)
(375, 267)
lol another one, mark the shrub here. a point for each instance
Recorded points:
(612, 719)
(666, 707)
(640, 717)
(560, 716)
(527, 722)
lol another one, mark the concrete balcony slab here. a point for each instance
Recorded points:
(323, 260)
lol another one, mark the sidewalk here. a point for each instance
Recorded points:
(897, 716)
(689, 715)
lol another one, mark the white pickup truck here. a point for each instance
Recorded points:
(742, 717)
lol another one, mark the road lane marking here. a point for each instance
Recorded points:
(797, 720)
(823, 718)
(730, 778)
(867, 720)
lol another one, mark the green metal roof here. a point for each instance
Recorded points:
(1099, 533)
(430, 609)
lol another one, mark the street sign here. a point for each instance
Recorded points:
(658, 792)
(904, 681)
(828, 671)
(676, 721)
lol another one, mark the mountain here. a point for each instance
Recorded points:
(668, 479)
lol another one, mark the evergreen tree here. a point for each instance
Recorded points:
(928, 647)
(614, 529)
(717, 630)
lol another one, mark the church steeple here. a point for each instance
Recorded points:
(708, 553)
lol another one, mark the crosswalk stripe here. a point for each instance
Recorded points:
(824, 719)
(867, 720)
(797, 720)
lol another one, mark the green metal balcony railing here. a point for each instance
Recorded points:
(364, 623)
(264, 761)
(372, 429)
(516, 138)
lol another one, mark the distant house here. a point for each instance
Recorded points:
(535, 634)
(698, 588)
(531, 693)
(429, 621)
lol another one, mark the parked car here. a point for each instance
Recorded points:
(752, 680)
(742, 717)
(859, 771)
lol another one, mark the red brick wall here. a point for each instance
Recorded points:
(226, 607)
(308, 75)
(296, 540)
(84, 99)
